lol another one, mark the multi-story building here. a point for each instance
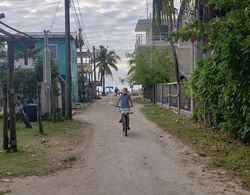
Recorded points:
(56, 46)
(148, 36)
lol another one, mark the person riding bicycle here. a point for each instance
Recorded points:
(124, 101)
(116, 91)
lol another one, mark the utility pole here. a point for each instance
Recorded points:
(47, 60)
(11, 95)
(80, 47)
(68, 61)
(5, 114)
(46, 85)
(5, 118)
(94, 71)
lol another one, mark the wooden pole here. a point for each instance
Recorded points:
(39, 108)
(94, 60)
(53, 99)
(80, 47)
(63, 98)
(5, 118)
(68, 61)
(11, 96)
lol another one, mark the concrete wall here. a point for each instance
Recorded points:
(185, 57)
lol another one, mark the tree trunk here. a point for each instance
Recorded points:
(177, 73)
(103, 84)
(175, 59)
(23, 117)
(5, 119)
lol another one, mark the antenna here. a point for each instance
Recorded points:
(147, 7)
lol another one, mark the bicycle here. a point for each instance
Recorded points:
(125, 121)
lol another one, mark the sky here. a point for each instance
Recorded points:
(105, 22)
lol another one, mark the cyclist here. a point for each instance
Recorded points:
(116, 91)
(124, 101)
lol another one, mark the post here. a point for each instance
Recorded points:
(68, 61)
(39, 115)
(162, 85)
(94, 71)
(11, 96)
(63, 98)
(54, 99)
(5, 118)
(80, 45)
(168, 96)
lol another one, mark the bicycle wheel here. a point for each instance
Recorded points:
(125, 124)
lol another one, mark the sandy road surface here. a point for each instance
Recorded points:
(147, 162)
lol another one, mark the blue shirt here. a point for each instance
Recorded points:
(124, 101)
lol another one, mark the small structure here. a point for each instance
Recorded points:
(56, 48)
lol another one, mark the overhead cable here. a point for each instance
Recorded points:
(54, 18)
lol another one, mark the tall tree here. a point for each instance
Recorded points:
(164, 12)
(106, 61)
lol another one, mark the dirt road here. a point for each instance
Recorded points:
(147, 162)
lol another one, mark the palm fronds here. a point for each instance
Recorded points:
(106, 61)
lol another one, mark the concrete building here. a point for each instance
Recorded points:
(146, 37)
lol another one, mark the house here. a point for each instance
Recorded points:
(165, 94)
(148, 36)
(56, 42)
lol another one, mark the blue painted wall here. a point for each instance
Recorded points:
(60, 59)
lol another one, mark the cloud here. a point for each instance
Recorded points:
(106, 22)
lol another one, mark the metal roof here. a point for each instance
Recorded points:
(40, 35)
(143, 25)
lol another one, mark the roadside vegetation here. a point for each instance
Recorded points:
(40, 154)
(229, 154)
(150, 65)
(221, 80)
(220, 83)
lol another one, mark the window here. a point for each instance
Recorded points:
(53, 52)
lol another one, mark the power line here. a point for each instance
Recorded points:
(89, 8)
(78, 24)
(30, 6)
(53, 21)
(74, 7)
(81, 25)
(81, 17)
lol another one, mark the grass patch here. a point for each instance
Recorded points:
(32, 157)
(225, 152)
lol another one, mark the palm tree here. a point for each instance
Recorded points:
(165, 12)
(106, 60)
(131, 62)
(2, 47)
